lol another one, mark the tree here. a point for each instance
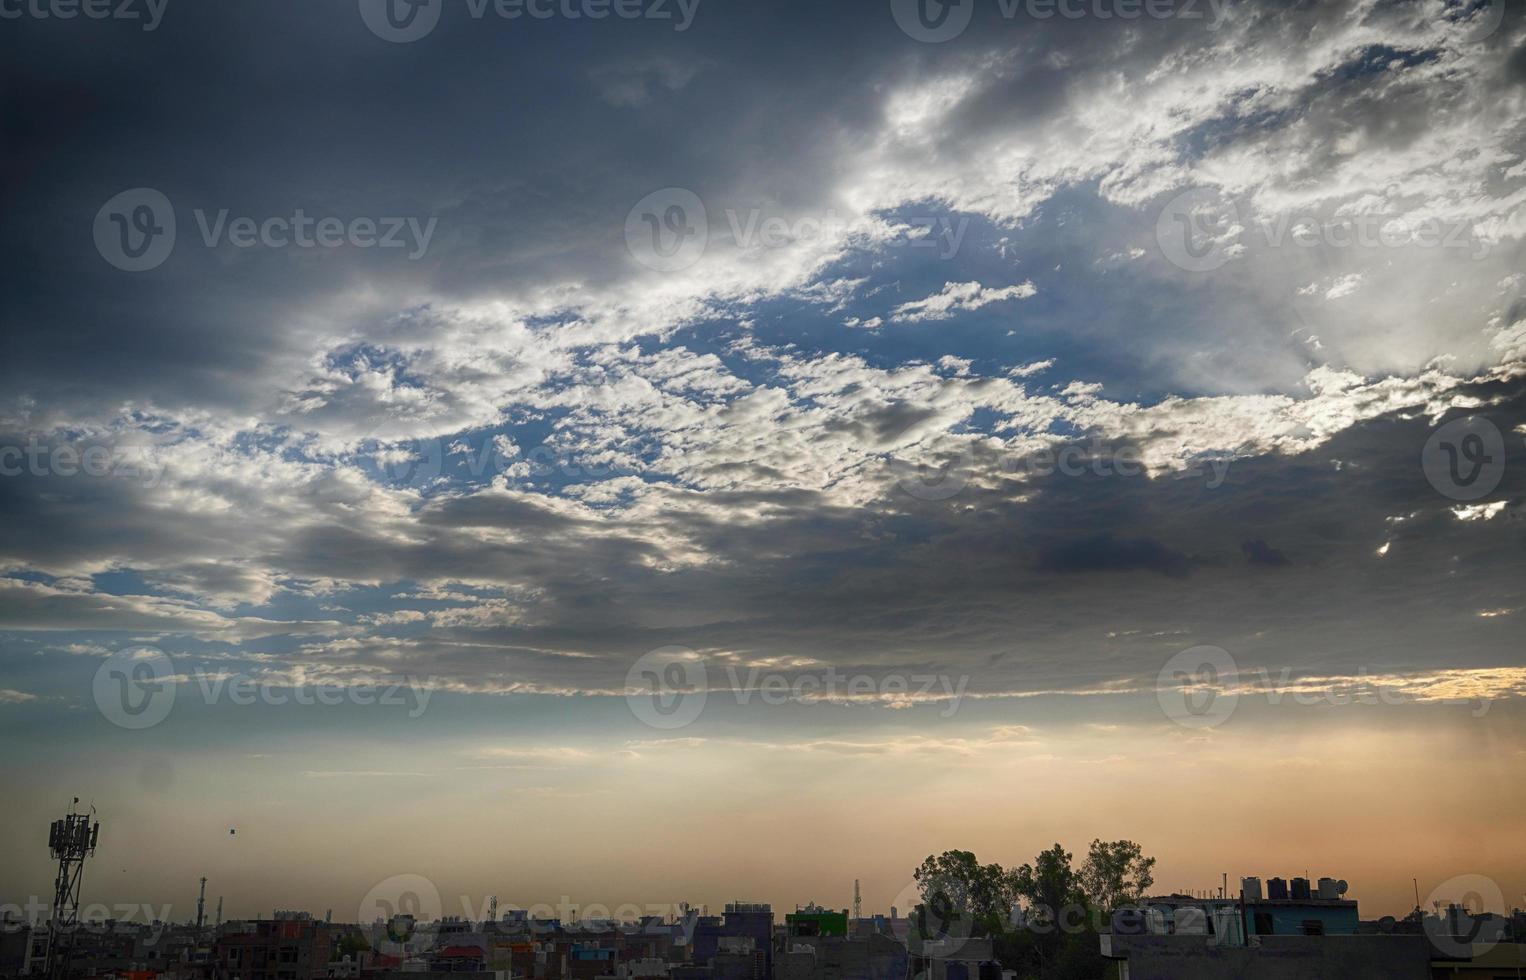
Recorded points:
(351, 943)
(1064, 906)
(1116, 873)
(1049, 884)
(955, 884)
(1055, 902)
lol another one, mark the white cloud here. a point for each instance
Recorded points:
(957, 297)
(1479, 512)
(1030, 369)
(1344, 286)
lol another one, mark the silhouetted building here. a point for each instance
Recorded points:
(738, 958)
(273, 949)
(1192, 957)
(813, 920)
(754, 920)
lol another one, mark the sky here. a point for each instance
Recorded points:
(647, 452)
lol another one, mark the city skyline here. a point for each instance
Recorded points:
(657, 451)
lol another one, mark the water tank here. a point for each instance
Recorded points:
(1130, 922)
(1276, 889)
(1228, 927)
(1328, 889)
(1191, 921)
(1301, 889)
(1156, 920)
(1250, 889)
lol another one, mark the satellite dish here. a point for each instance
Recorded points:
(1341, 886)
(1386, 924)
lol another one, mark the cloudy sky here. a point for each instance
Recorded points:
(577, 448)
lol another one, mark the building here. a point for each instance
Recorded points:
(1484, 961)
(870, 957)
(1197, 957)
(956, 959)
(15, 944)
(1282, 911)
(738, 958)
(755, 921)
(646, 968)
(705, 938)
(273, 949)
(1295, 931)
(457, 958)
(813, 920)
(586, 962)
(1296, 909)
(796, 962)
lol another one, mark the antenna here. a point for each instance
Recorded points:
(70, 841)
(858, 902)
(201, 905)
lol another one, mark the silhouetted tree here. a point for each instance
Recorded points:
(1049, 883)
(1115, 874)
(1062, 905)
(955, 884)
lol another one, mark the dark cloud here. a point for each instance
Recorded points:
(744, 429)
(1258, 552)
(1104, 553)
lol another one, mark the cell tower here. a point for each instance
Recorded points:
(70, 840)
(201, 905)
(858, 902)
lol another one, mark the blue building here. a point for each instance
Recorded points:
(1286, 909)
(755, 921)
(705, 939)
(1296, 909)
